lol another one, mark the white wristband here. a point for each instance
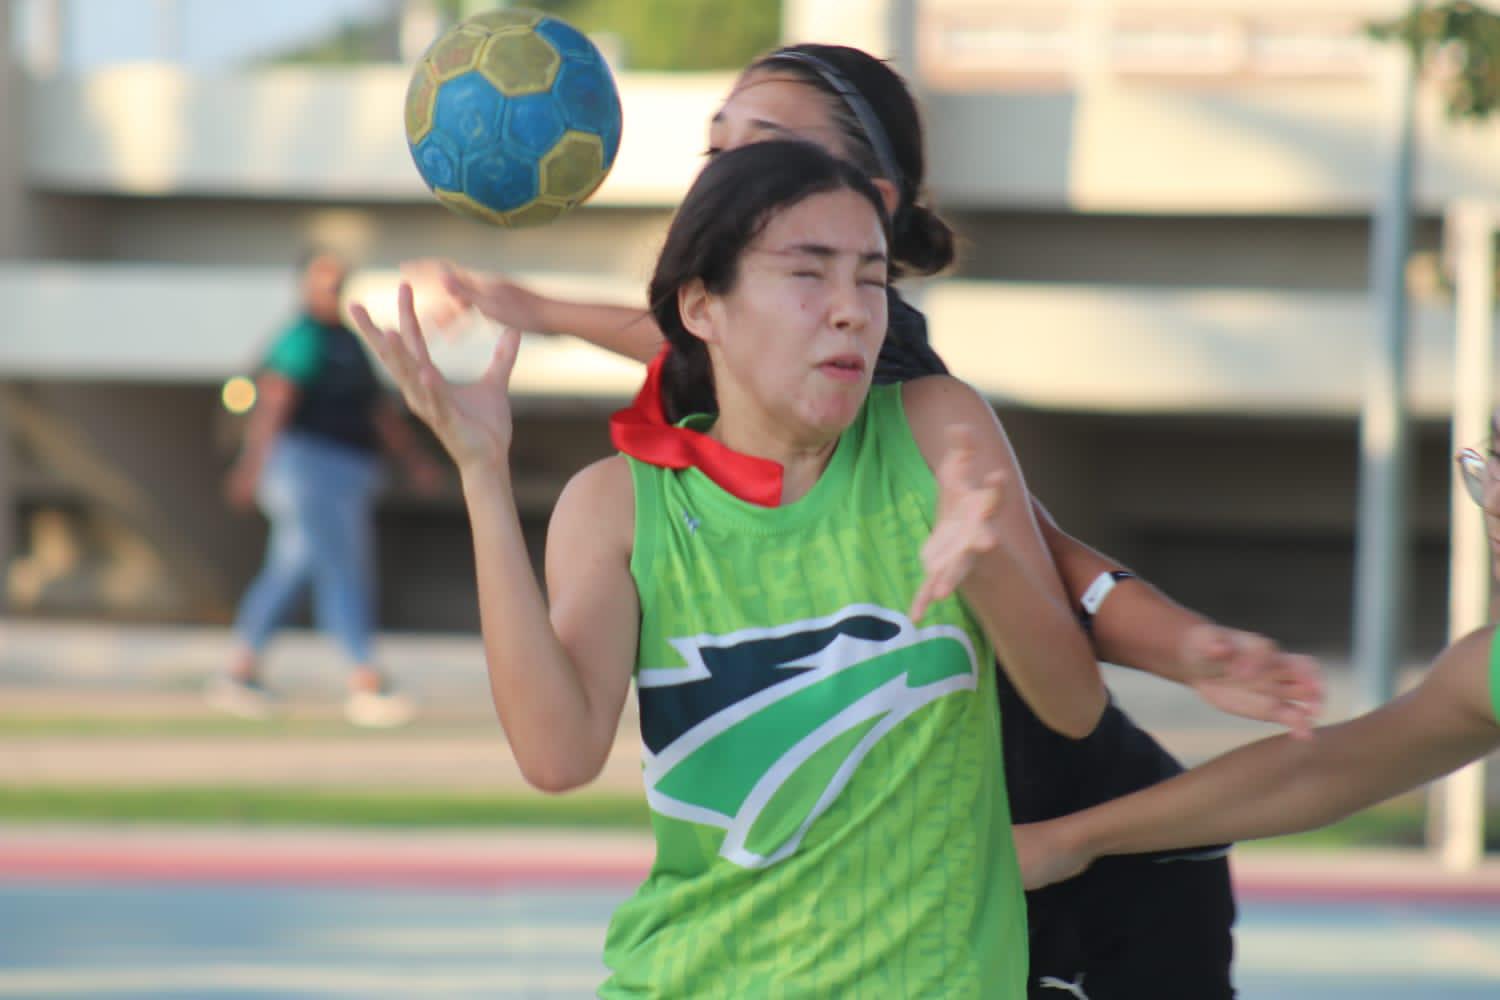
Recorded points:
(1097, 591)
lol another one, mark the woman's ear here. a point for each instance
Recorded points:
(888, 194)
(695, 306)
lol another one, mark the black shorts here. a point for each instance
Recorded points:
(1135, 928)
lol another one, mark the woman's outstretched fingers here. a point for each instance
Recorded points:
(956, 468)
(387, 346)
(993, 489)
(503, 360)
(964, 527)
(459, 285)
(392, 351)
(368, 331)
(410, 327)
(921, 602)
(432, 403)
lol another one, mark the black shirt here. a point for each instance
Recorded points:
(338, 388)
(1046, 774)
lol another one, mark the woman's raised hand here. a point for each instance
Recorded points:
(472, 421)
(1248, 675)
(449, 291)
(965, 525)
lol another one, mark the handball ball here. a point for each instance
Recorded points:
(512, 117)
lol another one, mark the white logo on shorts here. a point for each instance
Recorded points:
(1072, 989)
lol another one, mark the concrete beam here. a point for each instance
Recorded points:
(1078, 348)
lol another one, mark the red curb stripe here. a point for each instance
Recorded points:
(372, 870)
(86, 865)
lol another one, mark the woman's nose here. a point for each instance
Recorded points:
(849, 310)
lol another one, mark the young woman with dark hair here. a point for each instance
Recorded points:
(817, 701)
(1120, 924)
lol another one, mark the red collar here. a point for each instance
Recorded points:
(642, 432)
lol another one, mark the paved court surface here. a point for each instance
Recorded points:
(232, 914)
(140, 912)
(1392, 949)
(218, 940)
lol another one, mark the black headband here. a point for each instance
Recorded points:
(856, 103)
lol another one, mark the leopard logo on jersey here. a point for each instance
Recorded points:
(763, 728)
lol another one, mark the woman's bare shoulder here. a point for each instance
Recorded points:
(599, 499)
(935, 403)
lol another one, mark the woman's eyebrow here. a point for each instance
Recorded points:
(760, 123)
(770, 126)
(825, 251)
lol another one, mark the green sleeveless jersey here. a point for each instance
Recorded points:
(824, 775)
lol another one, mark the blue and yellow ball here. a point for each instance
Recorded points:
(512, 117)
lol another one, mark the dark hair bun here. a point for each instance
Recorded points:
(925, 244)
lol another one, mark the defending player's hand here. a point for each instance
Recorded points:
(966, 522)
(448, 292)
(1249, 675)
(472, 421)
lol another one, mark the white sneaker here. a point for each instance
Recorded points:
(379, 709)
(244, 699)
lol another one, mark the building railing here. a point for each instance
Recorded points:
(968, 46)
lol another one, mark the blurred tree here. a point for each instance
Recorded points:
(666, 34)
(1458, 45)
(352, 42)
(1461, 41)
(651, 34)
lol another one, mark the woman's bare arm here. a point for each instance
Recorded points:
(1013, 587)
(558, 680)
(1138, 626)
(448, 290)
(1282, 785)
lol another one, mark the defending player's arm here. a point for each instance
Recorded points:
(1003, 570)
(448, 289)
(1138, 626)
(558, 681)
(1282, 785)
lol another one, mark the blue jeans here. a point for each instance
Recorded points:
(319, 497)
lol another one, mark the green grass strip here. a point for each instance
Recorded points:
(283, 806)
(1400, 824)
(216, 727)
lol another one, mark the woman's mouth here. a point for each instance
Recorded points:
(844, 368)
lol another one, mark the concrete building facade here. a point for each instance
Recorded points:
(1165, 222)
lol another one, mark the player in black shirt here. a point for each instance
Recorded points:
(1150, 928)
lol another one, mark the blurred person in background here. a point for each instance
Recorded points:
(310, 459)
(1278, 786)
